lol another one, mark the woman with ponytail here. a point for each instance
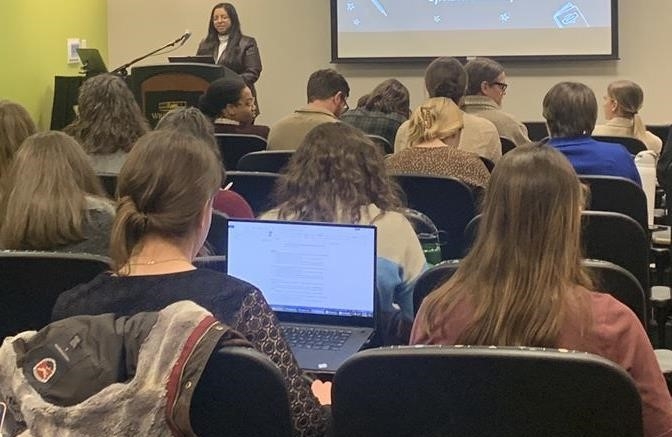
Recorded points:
(166, 189)
(621, 109)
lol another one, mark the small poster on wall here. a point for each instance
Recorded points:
(73, 45)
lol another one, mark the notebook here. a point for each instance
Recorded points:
(319, 278)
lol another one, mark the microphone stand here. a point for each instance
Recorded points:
(123, 70)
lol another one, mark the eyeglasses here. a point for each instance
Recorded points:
(502, 85)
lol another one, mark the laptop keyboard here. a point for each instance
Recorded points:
(305, 337)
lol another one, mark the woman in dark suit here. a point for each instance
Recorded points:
(229, 47)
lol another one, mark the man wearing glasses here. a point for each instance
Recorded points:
(327, 93)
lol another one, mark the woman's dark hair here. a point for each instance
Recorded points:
(163, 186)
(446, 77)
(570, 109)
(335, 172)
(235, 33)
(481, 70)
(220, 93)
(109, 117)
(390, 96)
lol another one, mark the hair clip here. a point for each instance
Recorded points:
(427, 117)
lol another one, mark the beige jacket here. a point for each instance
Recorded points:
(479, 136)
(288, 133)
(624, 127)
(507, 126)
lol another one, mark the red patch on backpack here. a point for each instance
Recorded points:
(44, 370)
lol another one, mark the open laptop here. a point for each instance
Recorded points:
(201, 59)
(319, 278)
(92, 61)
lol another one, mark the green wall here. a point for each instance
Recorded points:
(33, 47)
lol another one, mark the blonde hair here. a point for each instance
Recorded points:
(163, 186)
(629, 97)
(15, 126)
(44, 193)
(520, 277)
(436, 118)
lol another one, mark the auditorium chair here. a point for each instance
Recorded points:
(385, 146)
(448, 202)
(425, 391)
(507, 145)
(232, 147)
(240, 393)
(30, 283)
(215, 242)
(617, 194)
(255, 187)
(633, 145)
(662, 131)
(270, 161)
(536, 130)
(109, 183)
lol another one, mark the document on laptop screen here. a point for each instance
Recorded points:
(301, 267)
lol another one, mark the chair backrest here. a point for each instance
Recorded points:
(216, 239)
(109, 182)
(607, 236)
(617, 194)
(489, 164)
(617, 238)
(448, 202)
(212, 262)
(662, 131)
(621, 284)
(507, 145)
(30, 283)
(385, 146)
(479, 391)
(610, 278)
(241, 392)
(270, 161)
(232, 147)
(431, 279)
(255, 187)
(536, 130)
(633, 145)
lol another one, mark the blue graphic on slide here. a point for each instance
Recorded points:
(439, 15)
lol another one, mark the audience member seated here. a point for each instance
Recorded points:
(434, 135)
(570, 110)
(230, 105)
(485, 91)
(15, 126)
(327, 93)
(382, 111)
(166, 189)
(52, 200)
(523, 283)
(192, 121)
(338, 175)
(445, 77)
(108, 122)
(622, 104)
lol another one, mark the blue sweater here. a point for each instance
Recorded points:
(591, 157)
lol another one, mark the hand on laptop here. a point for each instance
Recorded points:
(322, 391)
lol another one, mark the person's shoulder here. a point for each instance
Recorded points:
(69, 301)
(609, 313)
(247, 40)
(472, 121)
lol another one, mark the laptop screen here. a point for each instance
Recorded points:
(306, 268)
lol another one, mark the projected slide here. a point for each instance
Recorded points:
(380, 28)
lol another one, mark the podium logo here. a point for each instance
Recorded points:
(165, 107)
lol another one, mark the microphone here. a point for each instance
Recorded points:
(183, 38)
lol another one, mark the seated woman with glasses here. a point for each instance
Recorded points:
(485, 92)
(230, 105)
(621, 110)
(523, 283)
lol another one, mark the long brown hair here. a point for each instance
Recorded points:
(109, 118)
(629, 96)
(44, 193)
(163, 186)
(15, 126)
(521, 275)
(335, 172)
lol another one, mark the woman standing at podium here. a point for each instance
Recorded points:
(229, 47)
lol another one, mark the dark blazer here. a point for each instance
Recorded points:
(245, 59)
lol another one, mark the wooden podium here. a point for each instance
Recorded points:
(160, 88)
